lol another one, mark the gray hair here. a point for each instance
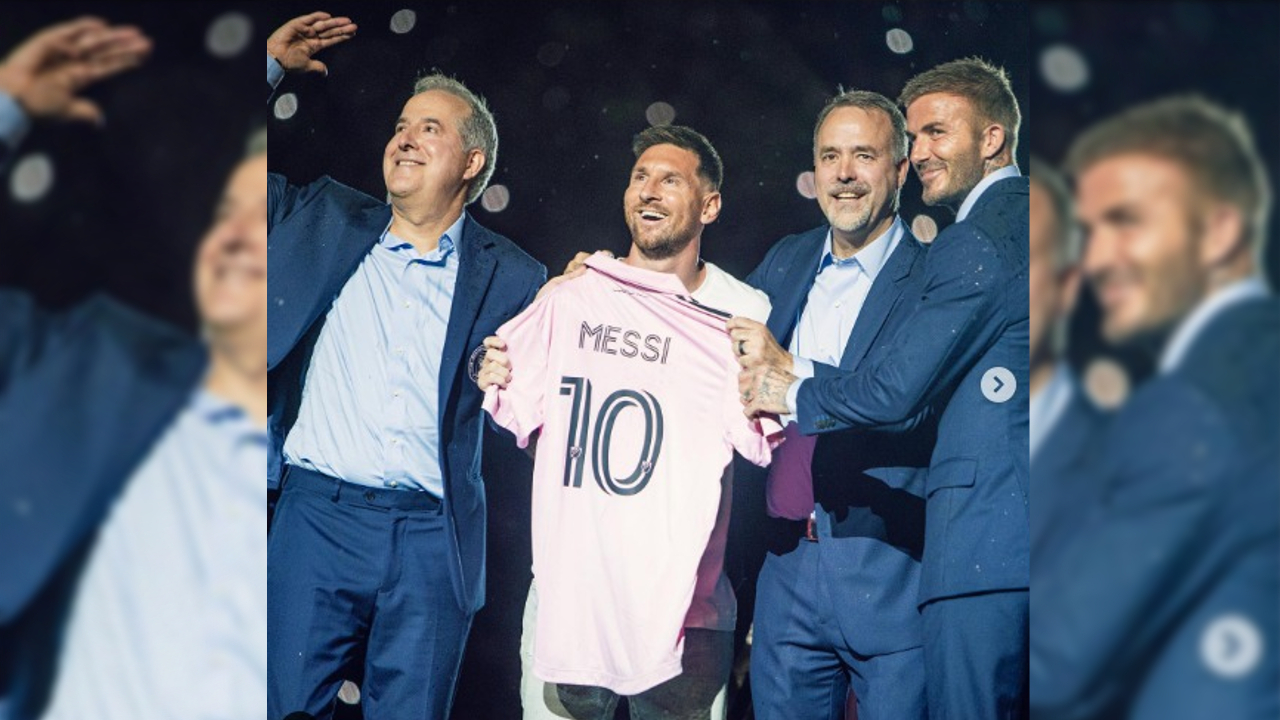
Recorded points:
(478, 130)
(867, 100)
(1067, 240)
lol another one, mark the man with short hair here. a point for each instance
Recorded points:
(673, 194)
(1163, 604)
(376, 550)
(960, 345)
(836, 598)
(135, 576)
(1065, 424)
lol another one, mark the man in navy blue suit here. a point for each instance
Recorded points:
(376, 550)
(1065, 424)
(131, 486)
(1163, 604)
(960, 345)
(836, 599)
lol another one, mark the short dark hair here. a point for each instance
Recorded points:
(981, 83)
(710, 168)
(1211, 143)
(867, 100)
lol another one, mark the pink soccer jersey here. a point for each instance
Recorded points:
(635, 389)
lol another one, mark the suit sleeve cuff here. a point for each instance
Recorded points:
(275, 72)
(14, 121)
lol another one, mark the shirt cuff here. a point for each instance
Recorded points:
(14, 121)
(801, 367)
(275, 72)
(792, 392)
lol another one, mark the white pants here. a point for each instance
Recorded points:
(539, 699)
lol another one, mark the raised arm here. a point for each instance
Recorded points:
(43, 77)
(293, 46)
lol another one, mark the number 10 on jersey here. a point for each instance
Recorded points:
(594, 442)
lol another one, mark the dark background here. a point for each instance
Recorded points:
(131, 200)
(750, 76)
(1225, 51)
(569, 84)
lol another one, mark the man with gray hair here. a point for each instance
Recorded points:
(1064, 422)
(958, 345)
(1163, 604)
(376, 551)
(835, 604)
(135, 566)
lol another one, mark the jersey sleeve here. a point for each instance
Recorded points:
(521, 406)
(754, 439)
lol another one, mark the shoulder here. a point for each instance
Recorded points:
(725, 292)
(783, 254)
(809, 240)
(115, 338)
(1232, 362)
(1003, 210)
(323, 189)
(511, 258)
(323, 205)
(993, 239)
(120, 324)
(1172, 417)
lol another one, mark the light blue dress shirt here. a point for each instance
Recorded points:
(1048, 404)
(170, 618)
(14, 122)
(834, 302)
(275, 71)
(370, 402)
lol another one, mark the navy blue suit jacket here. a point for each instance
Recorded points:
(1063, 481)
(318, 234)
(968, 318)
(1174, 573)
(83, 396)
(868, 483)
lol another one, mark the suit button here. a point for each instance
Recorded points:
(369, 496)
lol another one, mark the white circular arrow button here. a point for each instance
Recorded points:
(1231, 646)
(998, 384)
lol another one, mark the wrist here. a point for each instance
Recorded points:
(14, 89)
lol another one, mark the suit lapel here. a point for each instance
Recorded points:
(66, 443)
(306, 274)
(883, 296)
(797, 280)
(475, 270)
(1063, 446)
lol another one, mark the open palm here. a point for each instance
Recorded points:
(295, 43)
